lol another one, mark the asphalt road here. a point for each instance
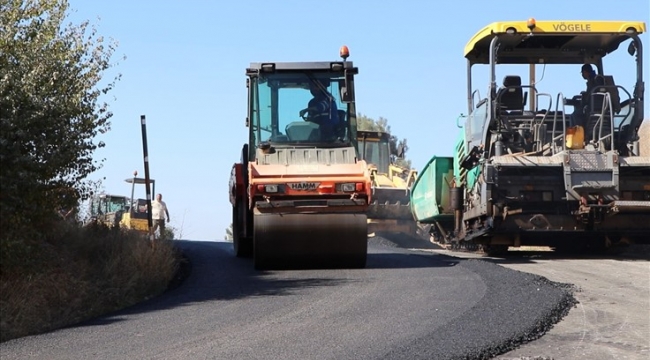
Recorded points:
(404, 305)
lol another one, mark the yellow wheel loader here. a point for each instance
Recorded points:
(389, 211)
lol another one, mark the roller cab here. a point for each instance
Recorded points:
(300, 193)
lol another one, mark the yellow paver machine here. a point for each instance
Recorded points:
(564, 171)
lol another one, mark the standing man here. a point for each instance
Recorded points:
(158, 212)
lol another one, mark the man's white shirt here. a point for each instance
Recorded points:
(158, 210)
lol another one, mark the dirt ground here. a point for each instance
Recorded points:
(612, 318)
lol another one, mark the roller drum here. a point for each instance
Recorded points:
(318, 240)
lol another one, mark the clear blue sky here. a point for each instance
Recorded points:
(185, 63)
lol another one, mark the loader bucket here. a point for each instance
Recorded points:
(390, 212)
(390, 203)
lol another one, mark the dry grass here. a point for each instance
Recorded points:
(77, 274)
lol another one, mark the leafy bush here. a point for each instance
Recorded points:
(50, 96)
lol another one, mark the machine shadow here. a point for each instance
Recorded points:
(404, 259)
(213, 273)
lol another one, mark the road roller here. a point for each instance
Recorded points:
(300, 192)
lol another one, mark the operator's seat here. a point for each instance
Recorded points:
(609, 86)
(510, 96)
(599, 112)
(341, 128)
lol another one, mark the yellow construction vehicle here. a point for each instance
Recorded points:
(389, 211)
(136, 216)
(566, 174)
(123, 211)
(107, 209)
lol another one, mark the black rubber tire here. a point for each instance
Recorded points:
(242, 218)
(243, 246)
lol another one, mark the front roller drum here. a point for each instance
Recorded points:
(284, 241)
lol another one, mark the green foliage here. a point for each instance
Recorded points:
(50, 112)
(369, 124)
(398, 147)
(169, 233)
(228, 236)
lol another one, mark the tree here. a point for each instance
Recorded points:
(50, 110)
(398, 147)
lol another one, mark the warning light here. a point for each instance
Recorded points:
(531, 24)
(135, 173)
(344, 52)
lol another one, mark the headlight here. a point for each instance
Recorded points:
(272, 188)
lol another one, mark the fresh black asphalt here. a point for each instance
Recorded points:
(406, 304)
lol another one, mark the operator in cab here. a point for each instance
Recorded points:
(582, 108)
(322, 109)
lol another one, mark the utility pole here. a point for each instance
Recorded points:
(533, 95)
(147, 178)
